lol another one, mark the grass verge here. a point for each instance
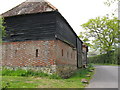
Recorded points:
(45, 81)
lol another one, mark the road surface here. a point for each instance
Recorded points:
(104, 77)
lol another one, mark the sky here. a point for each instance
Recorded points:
(76, 12)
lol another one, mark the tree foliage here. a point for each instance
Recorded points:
(83, 36)
(110, 2)
(103, 32)
(2, 28)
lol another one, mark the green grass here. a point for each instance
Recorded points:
(37, 81)
(26, 73)
(21, 72)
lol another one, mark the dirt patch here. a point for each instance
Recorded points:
(38, 78)
(29, 81)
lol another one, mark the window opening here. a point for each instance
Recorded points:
(36, 52)
(62, 52)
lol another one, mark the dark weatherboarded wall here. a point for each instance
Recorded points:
(30, 27)
(79, 52)
(41, 26)
(79, 45)
(64, 31)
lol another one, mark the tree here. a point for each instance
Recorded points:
(2, 29)
(103, 32)
(83, 36)
(110, 2)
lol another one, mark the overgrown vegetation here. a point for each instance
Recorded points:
(81, 73)
(27, 73)
(109, 58)
(2, 28)
(40, 80)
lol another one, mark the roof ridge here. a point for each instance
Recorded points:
(41, 6)
(35, 1)
(50, 5)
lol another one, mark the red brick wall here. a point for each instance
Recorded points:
(24, 53)
(66, 61)
(49, 52)
(54, 56)
(69, 56)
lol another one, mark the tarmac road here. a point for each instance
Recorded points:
(104, 77)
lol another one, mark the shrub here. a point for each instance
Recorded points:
(5, 85)
(109, 58)
(9, 72)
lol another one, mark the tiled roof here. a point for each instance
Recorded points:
(30, 6)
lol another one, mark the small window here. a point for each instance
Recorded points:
(36, 52)
(62, 52)
(74, 56)
(15, 51)
(71, 55)
(67, 54)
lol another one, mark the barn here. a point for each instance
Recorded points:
(40, 38)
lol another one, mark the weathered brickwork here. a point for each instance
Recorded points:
(66, 59)
(53, 56)
(24, 53)
(65, 71)
(66, 55)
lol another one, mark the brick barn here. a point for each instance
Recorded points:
(39, 38)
